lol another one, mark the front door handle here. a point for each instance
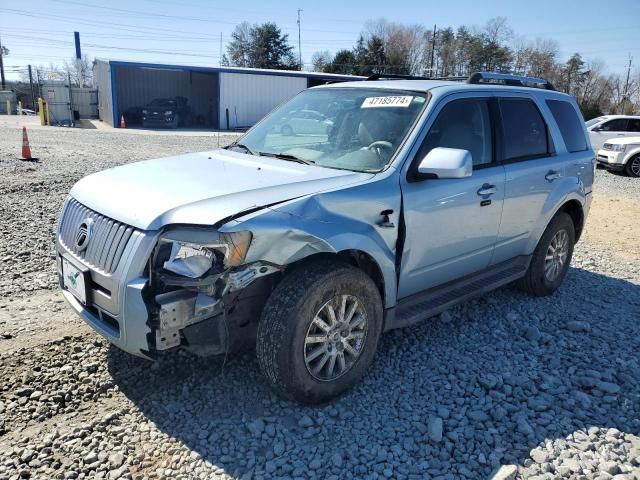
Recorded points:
(487, 190)
(552, 175)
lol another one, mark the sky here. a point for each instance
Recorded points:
(188, 31)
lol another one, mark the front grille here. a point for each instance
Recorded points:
(108, 240)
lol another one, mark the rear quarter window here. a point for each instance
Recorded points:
(569, 124)
(523, 129)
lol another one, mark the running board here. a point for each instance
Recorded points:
(423, 305)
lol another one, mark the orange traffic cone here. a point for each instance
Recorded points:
(122, 124)
(26, 150)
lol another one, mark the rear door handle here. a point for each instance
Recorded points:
(487, 190)
(552, 175)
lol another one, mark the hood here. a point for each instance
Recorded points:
(202, 188)
(623, 140)
(160, 108)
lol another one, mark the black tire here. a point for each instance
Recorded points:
(633, 167)
(535, 282)
(286, 320)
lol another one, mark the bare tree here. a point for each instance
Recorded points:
(321, 60)
(404, 45)
(80, 71)
(498, 30)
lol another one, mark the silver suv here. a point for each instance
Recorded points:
(418, 195)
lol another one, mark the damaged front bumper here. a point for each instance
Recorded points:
(217, 317)
(144, 310)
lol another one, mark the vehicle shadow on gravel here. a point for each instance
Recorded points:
(458, 395)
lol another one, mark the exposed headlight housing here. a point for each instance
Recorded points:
(168, 113)
(195, 252)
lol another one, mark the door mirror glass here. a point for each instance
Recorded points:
(443, 162)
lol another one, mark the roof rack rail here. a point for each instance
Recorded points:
(395, 76)
(451, 78)
(511, 80)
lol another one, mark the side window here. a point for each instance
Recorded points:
(524, 132)
(615, 125)
(464, 124)
(569, 124)
(633, 125)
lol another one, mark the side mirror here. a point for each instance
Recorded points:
(596, 129)
(442, 162)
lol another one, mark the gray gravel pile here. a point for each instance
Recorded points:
(31, 194)
(617, 183)
(551, 385)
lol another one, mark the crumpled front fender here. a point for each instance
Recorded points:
(328, 223)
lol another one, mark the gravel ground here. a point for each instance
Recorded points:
(617, 184)
(550, 387)
(32, 194)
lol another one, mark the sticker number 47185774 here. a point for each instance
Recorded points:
(388, 101)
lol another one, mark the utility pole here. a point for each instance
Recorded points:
(626, 85)
(299, 44)
(4, 84)
(76, 40)
(33, 95)
(433, 49)
(220, 57)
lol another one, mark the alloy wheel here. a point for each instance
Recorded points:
(556, 256)
(335, 338)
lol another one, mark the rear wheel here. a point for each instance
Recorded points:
(319, 331)
(633, 166)
(286, 130)
(551, 258)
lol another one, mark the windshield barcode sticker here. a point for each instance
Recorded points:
(376, 102)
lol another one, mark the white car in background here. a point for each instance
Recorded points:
(602, 129)
(621, 154)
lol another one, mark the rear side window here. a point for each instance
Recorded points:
(524, 133)
(570, 125)
(615, 125)
(633, 125)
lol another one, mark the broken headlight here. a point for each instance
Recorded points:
(194, 252)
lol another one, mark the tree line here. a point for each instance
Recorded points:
(389, 47)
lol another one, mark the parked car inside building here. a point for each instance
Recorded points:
(165, 112)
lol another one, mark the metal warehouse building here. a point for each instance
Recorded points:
(217, 97)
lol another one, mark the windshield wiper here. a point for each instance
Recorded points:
(240, 145)
(286, 156)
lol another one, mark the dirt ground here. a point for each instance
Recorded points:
(614, 224)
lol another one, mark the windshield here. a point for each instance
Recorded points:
(593, 121)
(348, 128)
(162, 102)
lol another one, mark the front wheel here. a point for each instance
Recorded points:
(319, 331)
(551, 258)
